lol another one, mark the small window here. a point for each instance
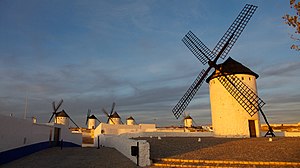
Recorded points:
(242, 78)
(249, 78)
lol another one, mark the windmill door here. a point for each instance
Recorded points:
(56, 136)
(252, 128)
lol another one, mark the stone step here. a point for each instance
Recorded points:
(171, 162)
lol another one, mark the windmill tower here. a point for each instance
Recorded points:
(245, 96)
(130, 121)
(60, 117)
(188, 121)
(112, 117)
(241, 123)
(91, 120)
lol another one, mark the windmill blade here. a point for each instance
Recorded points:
(58, 105)
(235, 30)
(108, 116)
(203, 53)
(53, 106)
(105, 112)
(87, 116)
(135, 122)
(112, 108)
(98, 120)
(190, 93)
(51, 117)
(73, 122)
(244, 95)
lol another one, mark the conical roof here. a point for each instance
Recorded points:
(92, 117)
(62, 114)
(130, 118)
(229, 67)
(187, 117)
(115, 115)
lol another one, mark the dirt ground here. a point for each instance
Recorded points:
(211, 148)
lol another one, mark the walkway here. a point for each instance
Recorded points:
(73, 157)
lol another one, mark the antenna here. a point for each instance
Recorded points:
(26, 106)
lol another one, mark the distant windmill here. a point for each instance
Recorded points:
(113, 117)
(130, 121)
(61, 117)
(188, 121)
(246, 97)
(91, 120)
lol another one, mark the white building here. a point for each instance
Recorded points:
(114, 119)
(92, 122)
(229, 118)
(188, 121)
(20, 137)
(62, 118)
(130, 121)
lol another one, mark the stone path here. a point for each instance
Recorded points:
(73, 157)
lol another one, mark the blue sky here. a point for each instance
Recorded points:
(91, 53)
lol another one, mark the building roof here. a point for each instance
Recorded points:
(92, 117)
(61, 114)
(229, 67)
(115, 115)
(130, 118)
(187, 117)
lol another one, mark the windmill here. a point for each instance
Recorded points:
(113, 117)
(245, 96)
(55, 109)
(188, 121)
(61, 117)
(130, 121)
(91, 120)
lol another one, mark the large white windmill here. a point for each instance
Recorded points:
(234, 101)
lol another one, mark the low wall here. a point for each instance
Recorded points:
(20, 137)
(291, 134)
(168, 134)
(123, 145)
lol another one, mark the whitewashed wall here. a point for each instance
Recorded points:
(118, 129)
(16, 132)
(123, 145)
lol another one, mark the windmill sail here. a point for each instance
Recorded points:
(205, 55)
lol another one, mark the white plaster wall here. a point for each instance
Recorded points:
(91, 123)
(62, 120)
(120, 129)
(188, 122)
(123, 145)
(130, 122)
(168, 134)
(114, 121)
(16, 132)
(291, 134)
(229, 118)
(68, 136)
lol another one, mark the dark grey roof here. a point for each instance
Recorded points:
(92, 117)
(187, 117)
(231, 66)
(115, 115)
(130, 118)
(62, 114)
